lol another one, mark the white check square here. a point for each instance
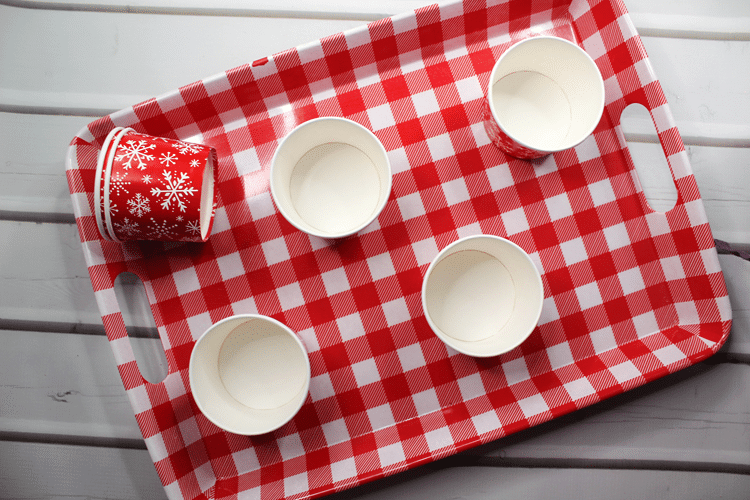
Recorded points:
(275, 251)
(455, 191)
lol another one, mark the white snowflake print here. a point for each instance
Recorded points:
(139, 205)
(112, 207)
(167, 159)
(117, 183)
(175, 190)
(195, 163)
(135, 151)
(179, 218)
(161, 230)
(127, 227)
(186, 148)
(193, 227)
(147, 179)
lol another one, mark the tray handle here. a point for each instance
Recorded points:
(638, 84)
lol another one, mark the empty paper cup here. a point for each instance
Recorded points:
(482, 295)
(153, 188)
(249, 374)
(330, 177)
(545, 94)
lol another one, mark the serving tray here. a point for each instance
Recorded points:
(630, 294)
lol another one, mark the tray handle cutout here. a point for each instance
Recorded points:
(143, 336)
(654, 177)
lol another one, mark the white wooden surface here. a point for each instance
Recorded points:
(66, 428)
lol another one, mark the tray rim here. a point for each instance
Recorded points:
(106, 304)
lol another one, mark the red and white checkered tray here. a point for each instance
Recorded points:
(630, 294)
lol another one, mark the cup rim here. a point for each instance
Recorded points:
(211, 415)
(107, 176)
(449, 341)
(101, 167)
(533, 38)
(378, 209)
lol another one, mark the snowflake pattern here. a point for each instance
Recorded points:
(118, 183)
(193, 228)
(139, 205)
(175, 190)
(195, 163)
(187, 148)
(112, 207)
(147, 179)
(127, 227)
(162, 230)
(135, 151)
(167, 159)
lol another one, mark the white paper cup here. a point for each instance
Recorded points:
(545, 94)
(249, 374)
(482, 295)
(330, 177)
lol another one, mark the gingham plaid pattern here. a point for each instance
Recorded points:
(630, 295)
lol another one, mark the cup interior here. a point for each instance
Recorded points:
(546, 93)
(249, 374)
(330, 177)
(482, 295)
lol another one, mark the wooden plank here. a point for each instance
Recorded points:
(42, 471)
(737, 276)
(691, 17)
(67, 385)
(567, 483)
(84, 53)
(32, 162)
(705, 89)
(43, 278)
(329, 9)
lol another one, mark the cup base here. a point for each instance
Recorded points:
(260, 366)
(533, 108)
(335, 187)
(473, 296)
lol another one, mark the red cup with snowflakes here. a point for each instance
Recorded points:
(153, 188)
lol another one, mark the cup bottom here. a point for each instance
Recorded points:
(261, 368)
(335, 187)
(534, 109)
(472, 296)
